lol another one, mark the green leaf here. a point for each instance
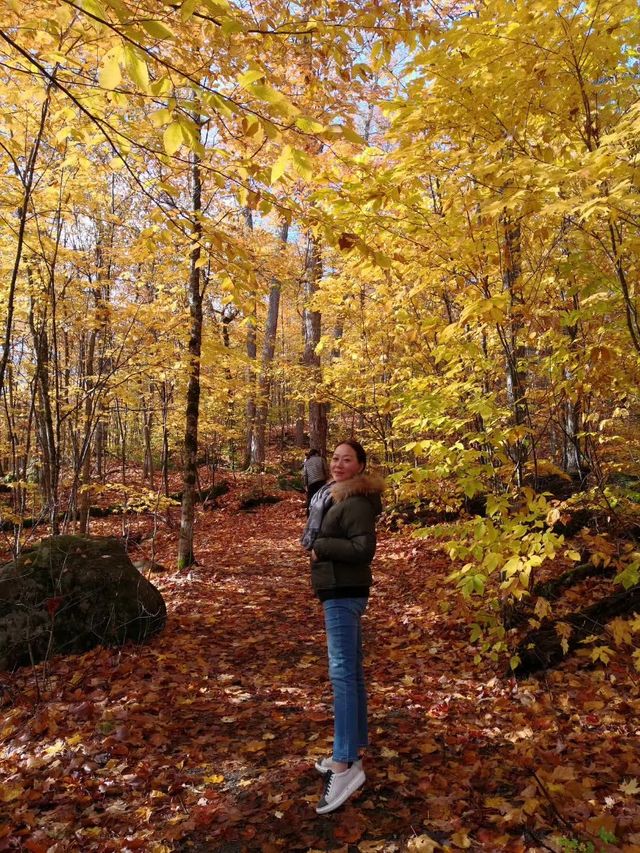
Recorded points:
(277, 100)
(382, 260)
(350, 135)
(217, 6)
(230, 26)
(250, 77)
(157, 29)
(119, 8)
(190, 131)
(303, 163)
(219, 104)
(309, 125)
(187, 9)
(94, 8)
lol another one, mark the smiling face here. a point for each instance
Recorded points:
(344, 463)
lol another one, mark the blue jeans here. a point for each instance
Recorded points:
(344, 645)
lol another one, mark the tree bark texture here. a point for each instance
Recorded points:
(312, 330)
(23, 213)
(513, 349)
(190, 464)
(266, 364)
(252, 355)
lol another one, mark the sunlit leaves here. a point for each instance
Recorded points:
(94, 8)
(110, 74)
(136, 66)
(309, 125)
(250, 77)
(181, 131)
(157, 29)
(172, 137)
(280, 166)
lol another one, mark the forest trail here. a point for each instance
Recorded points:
(204, 740)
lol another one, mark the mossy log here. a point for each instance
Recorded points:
(542, 648)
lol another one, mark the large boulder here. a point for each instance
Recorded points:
(71, 593)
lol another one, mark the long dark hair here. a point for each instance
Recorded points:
(358, 449)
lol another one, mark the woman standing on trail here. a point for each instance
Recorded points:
(315, 473)
(340, 536)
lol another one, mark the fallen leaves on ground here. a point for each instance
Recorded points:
(205, 739)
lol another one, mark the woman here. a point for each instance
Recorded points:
(340, 536)
(315, 473)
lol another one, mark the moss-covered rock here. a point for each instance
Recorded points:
(71, 593)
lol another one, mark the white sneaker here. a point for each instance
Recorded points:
(324, 765)
(339, 787)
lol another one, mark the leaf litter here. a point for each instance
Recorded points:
(205, 739)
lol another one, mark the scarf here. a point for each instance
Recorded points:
(320, 503)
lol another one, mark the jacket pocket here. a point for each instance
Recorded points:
(323, 575)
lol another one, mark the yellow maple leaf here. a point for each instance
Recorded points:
(145, 813)
(254, 746)
(630, 787)
(55, 748)
(621, 632)
(213, 780)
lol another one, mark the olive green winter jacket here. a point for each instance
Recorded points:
(346, 542)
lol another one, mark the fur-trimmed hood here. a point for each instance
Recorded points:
(362, 484)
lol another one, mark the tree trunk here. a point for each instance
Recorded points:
(312, 330)
(84, 460)
(44, 422)
(514, 350)
(147, 421)
(228, 315)
(101, 445)
(252, 354)
(264, 379)
(23, 213)
(165, 398)
(190, 465)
